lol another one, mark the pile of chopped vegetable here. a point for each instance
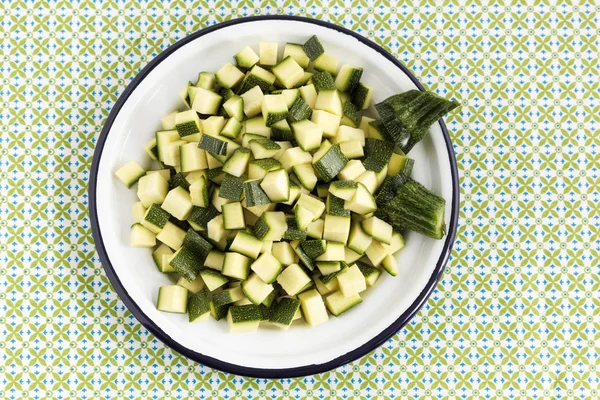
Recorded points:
(276, 199)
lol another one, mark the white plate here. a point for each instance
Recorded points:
(301, 350)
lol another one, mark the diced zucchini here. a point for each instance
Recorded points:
(293, 232)
(200, 216)
(308, 135)
(178, 203)
(343, 189)
(255, 289)
(192, 158)
(232, 187)
(155, 218)
(216, 229)
(299, 111)
(152, 149)
(313, 308)
(138, 211)
(213, 125)
(327, 63)
(351, 256)
(185, 263)
(199, 306)
(274, 108)
(313, 48)
(377, 229)
(290, 96)
(168, 121)
(370, 273)
(161, 257)
(214, 260)
(187, 124)
(351, 115)
(263, 148)
(213, 145)
(294, 156)
(306, 175)
(335, 206)
(323, 190)
(246, 58)
(348, 133)
(257, 76)
(267, 267)
(396, 164)
(257, 169)
(271, 226)
(199, 193)
(295, 191)
(257, 126)
(363, 202)
(213, 163)
(362, 96)
(330, 101)
(323, 81)
(254, 194)
(329, 267)
(336, 228)
(233, 216)
(213, 279)
(352, 149)
(334, 252)
(314, 248)
(302, 256)
(276, 185)
(358, 240)
(396, 244)
(206, 80)
(296, 51)
(206, 102)
(288, 72)
(152, 189)
(284, 253)
(268, 53)
(284, 312)
(348, 78)
(352, 170)
(232, 128)
(351, 281)
(293, 279)
(228, 296)
(309, 94)
(252, 100)
(178, 180)
(236, 266)
(229, 76)
(194, 286)
(244, 318)
(171, 235)
(369, 180)
(246, 244)
(234, 107)
(390, 265)
(237, 164)
(311, 203)
(376, 253)
(327, 121)
(165, 173)
(337, 303)
(330, 164)
(303, 217)
(130, 173)
(325, 288)
(173, 299)
(140, 236)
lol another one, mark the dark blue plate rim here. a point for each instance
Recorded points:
(229, 367)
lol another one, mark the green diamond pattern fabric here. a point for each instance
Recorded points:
(516, 314)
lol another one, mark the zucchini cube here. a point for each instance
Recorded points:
(288, 72)
(293, 279)
(274, 108)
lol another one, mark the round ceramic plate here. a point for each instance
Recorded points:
(301, 350)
